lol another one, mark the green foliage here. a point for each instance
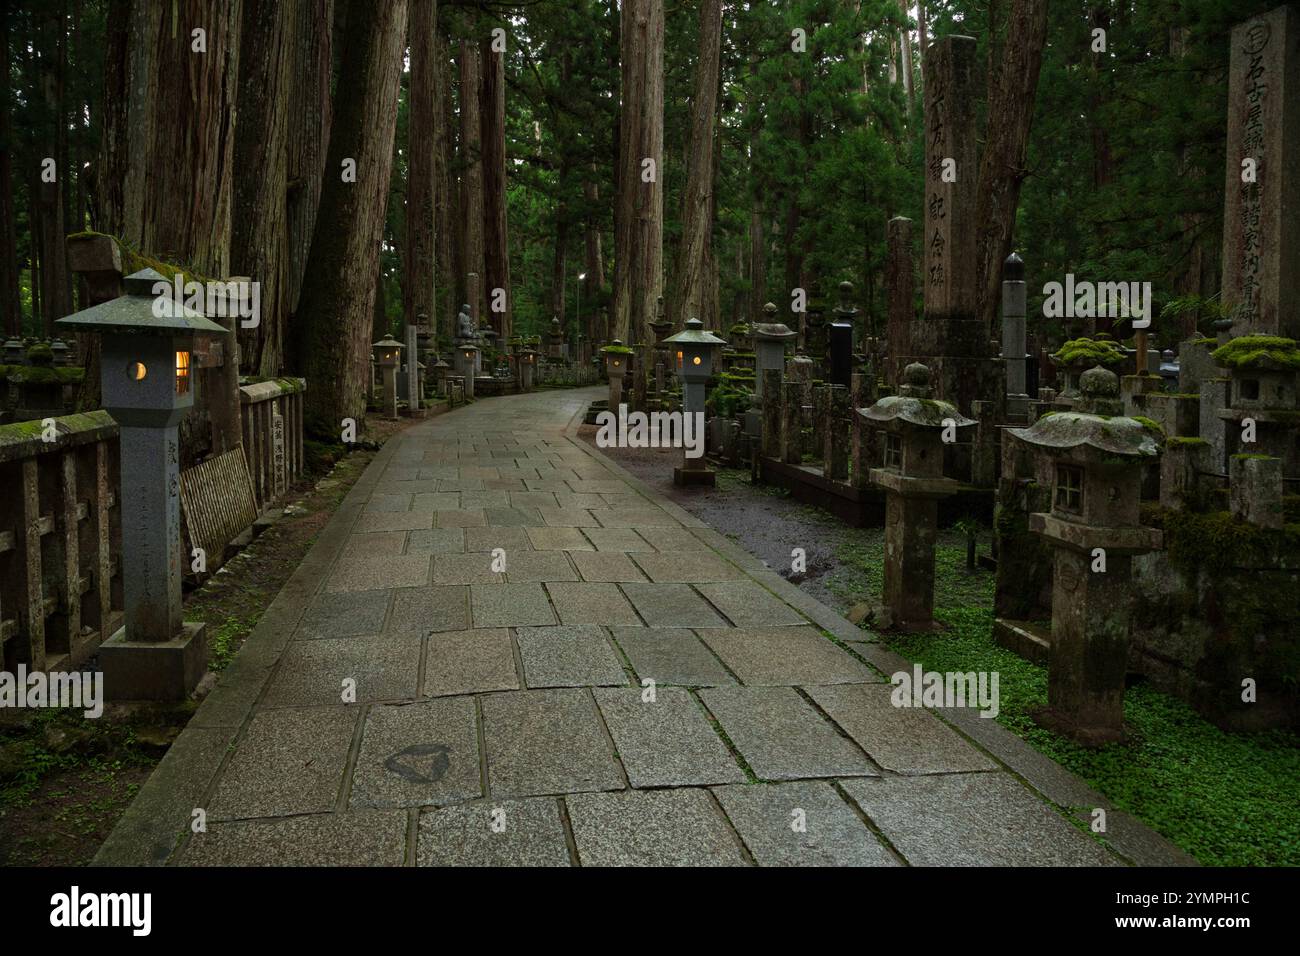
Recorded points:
(1086, 351)
(1247, 351)
(1225, 798)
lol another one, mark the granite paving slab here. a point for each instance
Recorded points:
(977, 819)
(568, 656)
(288, 761)
(469, 662)
(493, 833)
(679, 827)
(344, 614)
(671, 655)
(416, 755)
(359, 838)
(781, 736)
(510, 605)
(546, 742)
(777, 656)
(671, 605)
(313, 672)
(666, 741)
(591, 604)
(903, 739)
(749, 605)
(805, 823)
(420, 611)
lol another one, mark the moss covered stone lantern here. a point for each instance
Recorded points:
(388, 356)
(1263, 403)
(145, 342)
(617, 355)
(915, 428)
(1097, 460)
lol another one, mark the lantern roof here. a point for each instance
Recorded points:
(913, 404)
(133, 313)
(694, 334)
(387, 342)
(772, 331)
(1094, 422)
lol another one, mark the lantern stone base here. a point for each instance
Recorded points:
(684, 476)
(1084, 734)
(143, 670)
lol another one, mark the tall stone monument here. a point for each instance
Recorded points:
(1261, 216)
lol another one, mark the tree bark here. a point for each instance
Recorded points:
(639, 280)
(496, 237)
(905, 41)
(259, 234)
(445, 198)
(418, 276)
(471, 157)
(695, 265)
(1002, 168)
(310, 45)
(11, 310)
(177, 199)
(56, 297)
(338, 294)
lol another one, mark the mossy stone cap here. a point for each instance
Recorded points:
(1259, 351)
(133, 313)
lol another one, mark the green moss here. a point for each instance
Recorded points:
(1254, 350)
(1182, 440)
(618, 349)
(1149, 425)
(1085, 351)
(1218, 540)
(44, 375)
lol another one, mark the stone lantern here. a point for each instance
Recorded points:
(697, 349)
(528, 357)
(388, 356)
(914, 428)
(440, 369)
(59, 349)
(14, 351)
(616, 358)
(556, 339)
(1263, 397)
(465, 361)
(145, 344)
(770, 338)
(1097, 459)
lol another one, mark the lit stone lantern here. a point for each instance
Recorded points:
(145, 343)
(911, 472)
(616, 358)
(1097, 458)
(528, 357)
(770, 338)
(697, 349)
(388, 356)
(465, 361)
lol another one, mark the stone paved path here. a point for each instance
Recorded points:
(499, 715)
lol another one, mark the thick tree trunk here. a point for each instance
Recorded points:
(694, 270)
(259, 235)
(594, 260)
(177, 198)
(496, 237)
(445, 198)
(471, 158)
(311, 68)
(56, 289)
(1002, 169)
(639, 266)
(560, 254)
(418, 275)
(338, 292)
(905, 41)
(11, 311)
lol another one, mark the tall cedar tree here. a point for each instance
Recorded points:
(695, 269)
(496, 240)
(471, 162)
(418, 276)
(259, 237)
(338, 293)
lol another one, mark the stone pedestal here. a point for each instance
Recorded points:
(389, 388)
(792, 423)
(835, 459)
(1255, 490)
(154, 670)
(771, 430)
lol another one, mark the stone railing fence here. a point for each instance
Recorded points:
(60, 540)
(272, 433)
